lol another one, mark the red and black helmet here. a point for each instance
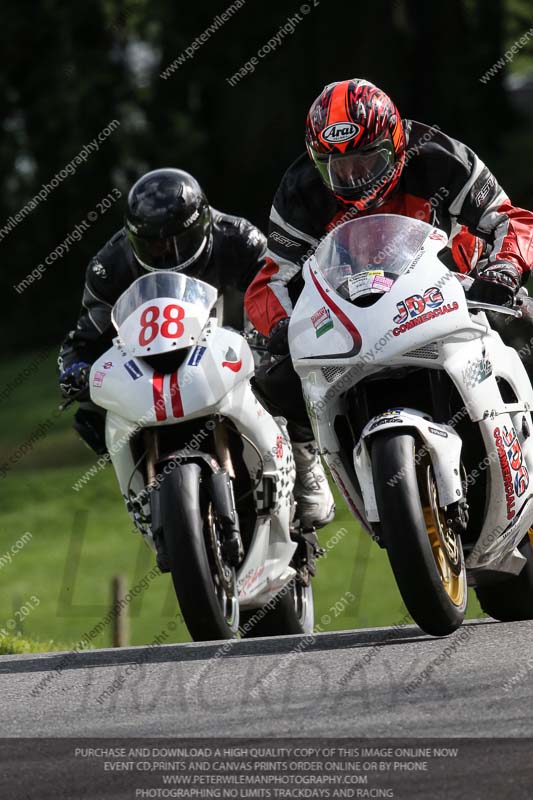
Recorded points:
(355, 136)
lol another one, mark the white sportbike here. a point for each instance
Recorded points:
(206, 472)
(423, 416)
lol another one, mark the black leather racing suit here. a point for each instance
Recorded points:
(237, 254)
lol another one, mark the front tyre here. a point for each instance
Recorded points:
(205, 585)
(425, 555)
(290, 612)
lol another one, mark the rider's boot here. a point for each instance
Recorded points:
(315, 506)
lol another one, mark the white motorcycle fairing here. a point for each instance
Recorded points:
(212, 381)
(421, 320)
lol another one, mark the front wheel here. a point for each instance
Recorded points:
(206, 586)
(426, 556)
(290, 612)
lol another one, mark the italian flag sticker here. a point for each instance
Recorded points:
(322, 321)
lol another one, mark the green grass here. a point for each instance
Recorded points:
(80, 540)
(17, 645)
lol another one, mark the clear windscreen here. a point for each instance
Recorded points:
(377, 248)
(163, 284)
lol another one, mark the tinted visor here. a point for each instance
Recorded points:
(176, 251)
(355, 173)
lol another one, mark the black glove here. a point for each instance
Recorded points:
(278, 341)
(497, 285)
(74, 379)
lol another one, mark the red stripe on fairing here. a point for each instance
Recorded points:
(175, 395)
(159, 400)
(346, 321)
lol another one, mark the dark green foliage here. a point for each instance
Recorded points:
(67, 71)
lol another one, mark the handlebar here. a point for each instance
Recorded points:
(510, 312)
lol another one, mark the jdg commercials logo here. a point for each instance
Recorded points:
(413, 310)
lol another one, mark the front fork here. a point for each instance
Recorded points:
(219, 484)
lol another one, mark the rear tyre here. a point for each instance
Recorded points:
(511, 599)
(205, 585)
(290, 613)
(425, 555)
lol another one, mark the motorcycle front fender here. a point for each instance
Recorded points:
(442, 443)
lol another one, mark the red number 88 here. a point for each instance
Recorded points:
(171, 328)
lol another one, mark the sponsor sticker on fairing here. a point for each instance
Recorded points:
(196, 356)
(446, 309)
(386, 421)
(251, 577)
(232, 360)
(371, 282)
(98, 378)
(511, 455)
(438, 432)
(506, 474)
(413, 310)
(133, 369)
(322, 321)
(476, 372)
(383, 283)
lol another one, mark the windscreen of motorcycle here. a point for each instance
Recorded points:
(366, 256)
(162, 311)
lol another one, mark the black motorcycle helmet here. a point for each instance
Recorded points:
(168, 221)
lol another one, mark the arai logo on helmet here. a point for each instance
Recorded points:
(340, 132)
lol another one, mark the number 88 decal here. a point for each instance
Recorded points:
(171, 328)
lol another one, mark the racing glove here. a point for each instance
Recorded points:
(74, 379)
(278, 340)
(497, 284)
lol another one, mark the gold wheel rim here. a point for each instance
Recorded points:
(454, 584)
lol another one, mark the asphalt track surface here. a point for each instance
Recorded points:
(387, 682)
(352, 683)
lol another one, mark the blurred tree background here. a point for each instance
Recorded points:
(71, 68)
